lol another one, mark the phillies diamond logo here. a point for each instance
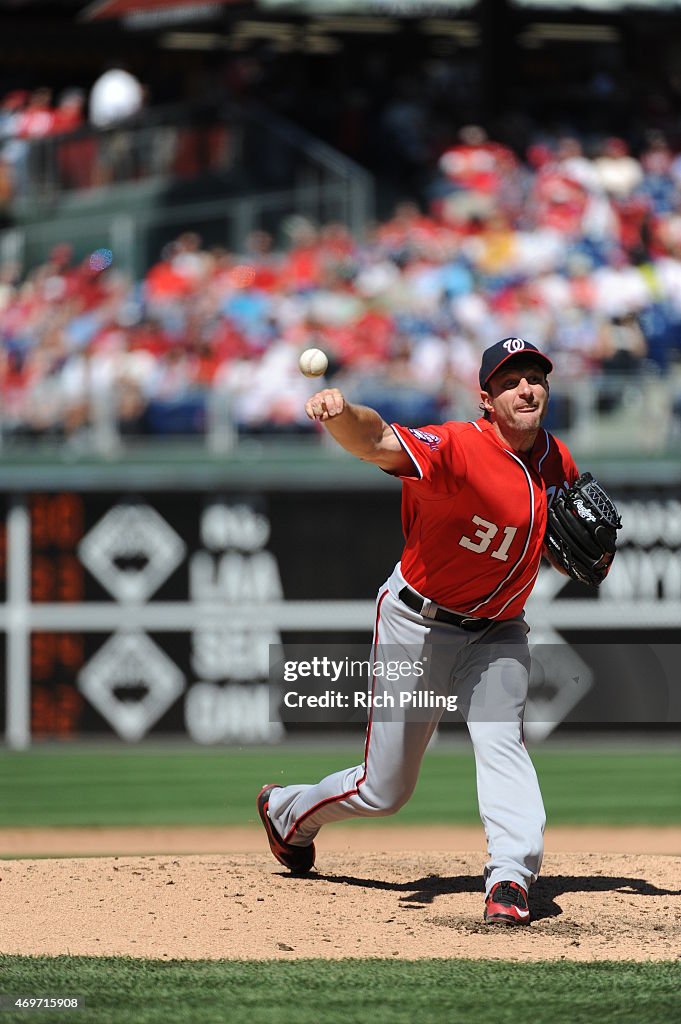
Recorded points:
(131, 551)
(132, 683)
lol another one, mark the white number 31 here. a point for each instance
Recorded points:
(486, 535)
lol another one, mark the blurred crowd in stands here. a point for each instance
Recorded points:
(33, 115)
(578, 253)
(115, 96)
(28, 116)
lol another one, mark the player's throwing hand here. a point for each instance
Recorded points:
(325, 405)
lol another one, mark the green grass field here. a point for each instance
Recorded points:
(346, 992)
(165, 786)
(67, 786)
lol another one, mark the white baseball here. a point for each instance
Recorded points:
(313, 362)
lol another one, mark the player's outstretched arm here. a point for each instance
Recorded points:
(358, 429)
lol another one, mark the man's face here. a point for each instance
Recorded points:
(518, 395)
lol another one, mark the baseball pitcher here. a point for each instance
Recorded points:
(475, 513)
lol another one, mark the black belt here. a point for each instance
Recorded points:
(412, 600)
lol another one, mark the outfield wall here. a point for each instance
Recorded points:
(138, 613)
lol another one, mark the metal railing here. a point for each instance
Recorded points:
(135, 238)
(169, 143)
(619, 414)
(606, 415)
(127, 187)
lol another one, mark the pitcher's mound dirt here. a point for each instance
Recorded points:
(357, 837)
(411, 905)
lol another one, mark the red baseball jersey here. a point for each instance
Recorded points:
(474, 514)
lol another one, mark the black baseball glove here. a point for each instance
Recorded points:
(581, 531)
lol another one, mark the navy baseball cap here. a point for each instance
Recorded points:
(509, 348)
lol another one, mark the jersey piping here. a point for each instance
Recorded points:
(546, 452)
(517, 593)
(355, 790)
(409, 452)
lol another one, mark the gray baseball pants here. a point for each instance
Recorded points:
(489, 673)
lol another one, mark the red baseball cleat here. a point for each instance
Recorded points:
(507, 904)
(298, 859)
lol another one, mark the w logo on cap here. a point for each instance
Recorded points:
(514, 345)
(506, 349)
